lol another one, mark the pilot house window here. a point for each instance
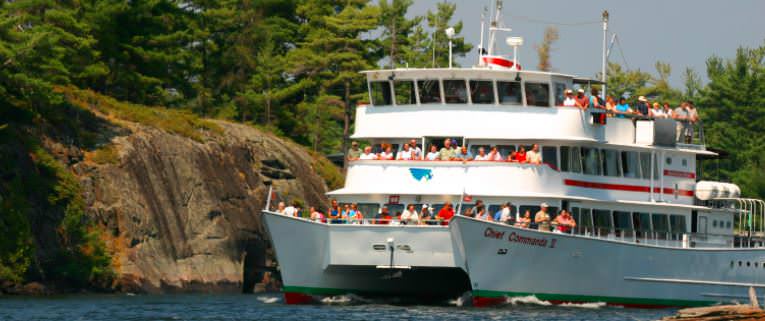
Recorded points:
(481, 92)
(430, 91)
(537, 94)
(509, 92)
(380, 93)
(404, 92)
(455, 91)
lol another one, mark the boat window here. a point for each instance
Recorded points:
(630, 164)
(560, 93)
(678, 224)
(395, 209)
(610, 159)
(576, 159)
(622, 220)
(642, 221)
(660, 225)
(602, 220)
(474, 149)
(645, 165)
(404, 90)
(369, 210)
(584, 221)
(435, 208)
(590, 161)
(550, 156)
(482, 91)
(537, 94)
(455, 91)
(505, 150)
(509, 92)
(380, 93)
(565, 158)
(430, 91)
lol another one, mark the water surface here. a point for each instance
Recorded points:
(271, 307)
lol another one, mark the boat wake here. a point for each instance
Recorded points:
(462, 300)
(534, 301)
(344, 299)
(268, 299)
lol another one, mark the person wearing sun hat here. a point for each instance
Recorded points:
(642, 106)
(542, 218)
(569, 100)
(581, 99)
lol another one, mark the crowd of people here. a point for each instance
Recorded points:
(427, 215)
(450, 151)
(686, 115)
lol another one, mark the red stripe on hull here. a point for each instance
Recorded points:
(627, 188)
(297, 298)
(480, 301)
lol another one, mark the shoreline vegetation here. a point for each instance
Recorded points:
(72, 70)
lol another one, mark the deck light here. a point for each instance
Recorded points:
(514, 42)
(450, 34)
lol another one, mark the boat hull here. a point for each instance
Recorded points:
(504, 261)
(318, 260)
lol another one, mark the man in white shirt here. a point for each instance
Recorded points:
(482, 156)
(506, 215)
(569, 101)
(367, 154)
(533, 156)
(410, 216)
(416, 151)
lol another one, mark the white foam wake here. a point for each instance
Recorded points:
(268, 299)
(344, 299)
(588, 305)
(461, 300)
(527, 300)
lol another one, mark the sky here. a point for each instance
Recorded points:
(683, 33)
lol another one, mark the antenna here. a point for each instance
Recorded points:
(605, 54)
(480, 46)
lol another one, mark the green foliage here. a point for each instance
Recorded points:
(106, 155)
(439, 21)
(397, 42)
(332, 175)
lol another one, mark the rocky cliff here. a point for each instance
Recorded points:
(183, 215)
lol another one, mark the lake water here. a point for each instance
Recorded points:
(270, 307)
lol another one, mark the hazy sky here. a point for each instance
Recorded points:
(681, 32)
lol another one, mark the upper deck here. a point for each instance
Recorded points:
(483, 103)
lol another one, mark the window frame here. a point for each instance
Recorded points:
(415, 97)
(521, 94)
(465, 86)
(370, 85)
(525, 87)
(420, 92)
(493, 91)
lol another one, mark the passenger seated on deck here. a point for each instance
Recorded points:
(610, 103)
(410, 216)
(346, 213)
(396, 220)
(504, 215)
(368, 154)
(520, 156)
(482, 156)
(447, 152)
(384, 216)
(426, 216)
(354, 152)
(464, 154)
(564, 223)
(525, 220)
(416, 151)
(623, 108)
(656, 112)
(494, 154)
(445, 214)
(581, 99)
(317, 216)
(569, 100)
(406, 153)
(433, 154)
(386, 154)
(335, 213)
(280, 208)
(352, 214)
(482, 214)
(292, 210)
(534, 156)
(542, 218)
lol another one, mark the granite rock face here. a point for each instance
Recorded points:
(183, 215)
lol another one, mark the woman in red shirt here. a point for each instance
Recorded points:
(520, 156)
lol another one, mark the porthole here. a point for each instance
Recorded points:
(747, 264)
(739, 263)
(756, 264)
(731, 264)
(669, 160)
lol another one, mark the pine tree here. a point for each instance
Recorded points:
(439, 21)
(397, 31)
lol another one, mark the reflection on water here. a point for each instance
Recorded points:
(271, 307)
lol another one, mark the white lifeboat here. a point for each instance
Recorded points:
(709, 190)
(499, 62)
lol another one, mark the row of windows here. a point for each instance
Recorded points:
(603, 222)
(458, 91)
(721, 224)
(748, 264)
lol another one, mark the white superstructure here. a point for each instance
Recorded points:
(648, 234)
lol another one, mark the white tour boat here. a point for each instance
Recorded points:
(648, 234)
